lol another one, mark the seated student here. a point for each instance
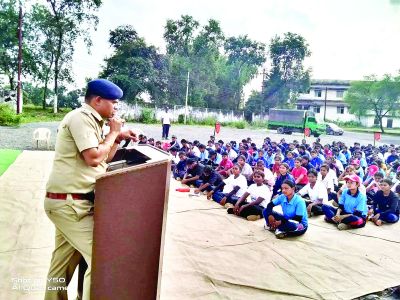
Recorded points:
(349, 170)
(373, 187)
(203, 155)
(208, 180)
(396, 181)
(180, 168)
(173, 152)
(247, 171)
(293, 221)
(260, 195)
(305, 162)
(283, 175)
(289, 159)
(275, 167)
(259, 157)
(225, 165)
(214, 159)
(316, 161)
(328, 177)
(372, 169)
(269, 178)
(193, 172)
(299, 174)
(231, 153)
(352, 211)
(233, 188)
(316, 192)
(359, 171)
(386, 205)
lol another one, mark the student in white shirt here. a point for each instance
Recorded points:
(252, 207)
(329, 179)
(233, 188)
(317, 193)
(166, 123)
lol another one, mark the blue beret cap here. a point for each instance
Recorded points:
(105, 89)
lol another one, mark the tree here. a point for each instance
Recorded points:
(69, 21)
(382, 97)
(244, 58)
(288, 76)
(136, 67)
(9, 42)
(195, 50)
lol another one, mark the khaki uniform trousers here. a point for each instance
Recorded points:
(73, 220)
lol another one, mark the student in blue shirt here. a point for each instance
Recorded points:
(352, 211)
(293, 221)
(282, 177)
(386, 205)
(289, 159)
(180, 168)
(316, 161)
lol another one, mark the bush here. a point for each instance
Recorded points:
(181, 119)
(7, 116)
(236, 124)
(147, 116)
(346, 124)
(259, 124)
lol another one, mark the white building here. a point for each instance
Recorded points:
(329, 94)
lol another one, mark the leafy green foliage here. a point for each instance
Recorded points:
(136, 67)
(147, 116)
(288, 76)
(382, 97)
(8, 117)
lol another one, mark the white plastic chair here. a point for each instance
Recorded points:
(41, 134)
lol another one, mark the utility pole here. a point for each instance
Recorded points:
(326, 95)
(187, 95)
(19, 86)
(262, 92)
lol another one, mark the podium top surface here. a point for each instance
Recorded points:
(135, 158)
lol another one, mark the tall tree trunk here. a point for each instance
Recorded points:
(57, 70)
(46, 81)
(381, 124)
(11, 81)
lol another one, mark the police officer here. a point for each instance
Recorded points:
(81, 153)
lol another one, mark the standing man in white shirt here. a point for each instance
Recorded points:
(166, 123)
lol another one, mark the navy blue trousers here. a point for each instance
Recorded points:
(353, 221)
(291, 228)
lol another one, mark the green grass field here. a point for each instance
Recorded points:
(7, 157)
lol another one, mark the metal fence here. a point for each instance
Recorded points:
(134, 112)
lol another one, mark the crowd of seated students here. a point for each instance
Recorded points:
(347, 185)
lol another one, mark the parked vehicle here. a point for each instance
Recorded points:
(293, 120)
(333, 129)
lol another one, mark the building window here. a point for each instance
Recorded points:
(389, 123)
(340, 110)
(317, 109)
(339, 94)
(318, 93)
(376, 121)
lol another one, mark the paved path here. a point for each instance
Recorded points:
(21, 137)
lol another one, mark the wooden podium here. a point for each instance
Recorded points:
(129, 225)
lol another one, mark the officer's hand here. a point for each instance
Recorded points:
(115, 124)
(127, 135)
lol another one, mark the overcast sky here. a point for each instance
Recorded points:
(348, 38)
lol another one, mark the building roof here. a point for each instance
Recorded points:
(330, 82)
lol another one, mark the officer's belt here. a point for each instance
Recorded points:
(62, 196)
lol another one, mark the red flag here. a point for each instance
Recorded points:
(217, 127)
(377, 136)
(307, 132)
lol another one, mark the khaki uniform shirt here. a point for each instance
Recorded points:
(80, 129)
